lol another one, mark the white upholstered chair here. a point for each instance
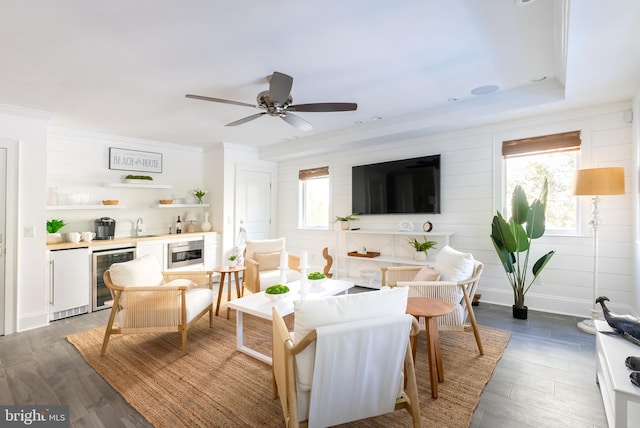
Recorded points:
(262, 262)
(453, 278)
(146, 300)
(348, 358)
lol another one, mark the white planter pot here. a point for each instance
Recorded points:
(420, 256)
(54, 238)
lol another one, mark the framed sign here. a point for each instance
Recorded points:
(134, 160)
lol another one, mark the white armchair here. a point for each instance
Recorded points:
(348, 358)
(454, 278)
(146, 300)
(262, 262)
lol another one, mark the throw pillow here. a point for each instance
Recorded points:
(144, 270)
(268, 261)
(454, 265)
(427, 273)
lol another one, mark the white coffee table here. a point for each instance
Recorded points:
(260, 306)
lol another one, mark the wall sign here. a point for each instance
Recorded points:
(134, 160)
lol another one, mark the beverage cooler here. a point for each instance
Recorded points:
(102, 261)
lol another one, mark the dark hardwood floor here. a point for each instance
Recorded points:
(546, 377)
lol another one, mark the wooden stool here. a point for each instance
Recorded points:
(224, 270)
(430, 309)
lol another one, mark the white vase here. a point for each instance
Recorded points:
(344, 225)
(420, 256)
(206, 226)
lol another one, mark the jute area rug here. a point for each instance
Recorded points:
(214, 385)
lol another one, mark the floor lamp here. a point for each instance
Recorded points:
(595, 182)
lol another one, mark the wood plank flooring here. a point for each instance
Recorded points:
(546, 377)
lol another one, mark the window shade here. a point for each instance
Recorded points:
(307, 174)
(546, 143)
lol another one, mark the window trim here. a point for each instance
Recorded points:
(306, 175)
(500, 200)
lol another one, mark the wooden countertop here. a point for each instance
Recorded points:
(124, 240)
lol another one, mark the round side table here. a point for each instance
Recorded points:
(429, 309)
(228, 271)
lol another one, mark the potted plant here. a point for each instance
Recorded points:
(512, 241)
(199, 193)
(421, 247)
(53, 226)
(233, 261)
(346, 220)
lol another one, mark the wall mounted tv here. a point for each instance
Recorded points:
(409, 186)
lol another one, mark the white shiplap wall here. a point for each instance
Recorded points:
(78, 163)
(471, 173)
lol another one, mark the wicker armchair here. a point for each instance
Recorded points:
(457, 292)
(147, 300)
(262, 263)
(364, 344)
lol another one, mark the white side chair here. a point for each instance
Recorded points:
(262, 262)
(145, 300)
(362, 340)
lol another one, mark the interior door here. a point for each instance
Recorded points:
(253, 203)
(3, 217)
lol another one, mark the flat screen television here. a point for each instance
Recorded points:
(408, 186)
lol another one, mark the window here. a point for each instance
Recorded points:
(528, 161)
(314, 198)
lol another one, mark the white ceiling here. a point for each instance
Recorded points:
(123, 67)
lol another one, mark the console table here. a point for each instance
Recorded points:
(621, 398)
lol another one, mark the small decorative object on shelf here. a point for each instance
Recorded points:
(138, 179)
(110, 202)
(421, 248)
(199, 193)
(427, 226)
(346, 220)
(53, 226)
(206, 226)
(178, 225)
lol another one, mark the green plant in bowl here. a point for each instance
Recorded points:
(276, 291)
(316, 275)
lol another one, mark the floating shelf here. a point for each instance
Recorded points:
(140, 185)
(85, 207)
(182, 206)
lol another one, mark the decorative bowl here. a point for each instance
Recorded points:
(316, 281)
(166, 201)
(277, 296)
(110, 202)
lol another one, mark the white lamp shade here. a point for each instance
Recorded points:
(599, 181)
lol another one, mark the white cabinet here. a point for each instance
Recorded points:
(210, 251)
(392, 246)
(620, 397)
(69, 282)
(154, 248)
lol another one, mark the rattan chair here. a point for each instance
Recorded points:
(147, 300)
(262, 263)
(350, 383)
(457, 293)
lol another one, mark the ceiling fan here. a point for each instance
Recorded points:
(277, 102)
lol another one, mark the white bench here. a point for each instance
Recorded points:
(621, 398)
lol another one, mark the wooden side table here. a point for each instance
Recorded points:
(224, 271)
(430, 309)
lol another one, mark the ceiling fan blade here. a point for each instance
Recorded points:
(280, 87)
(220, 100)
(246, 119)
(297, 122)
(323, 107)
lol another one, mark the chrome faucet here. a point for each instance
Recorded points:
(139, 226)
